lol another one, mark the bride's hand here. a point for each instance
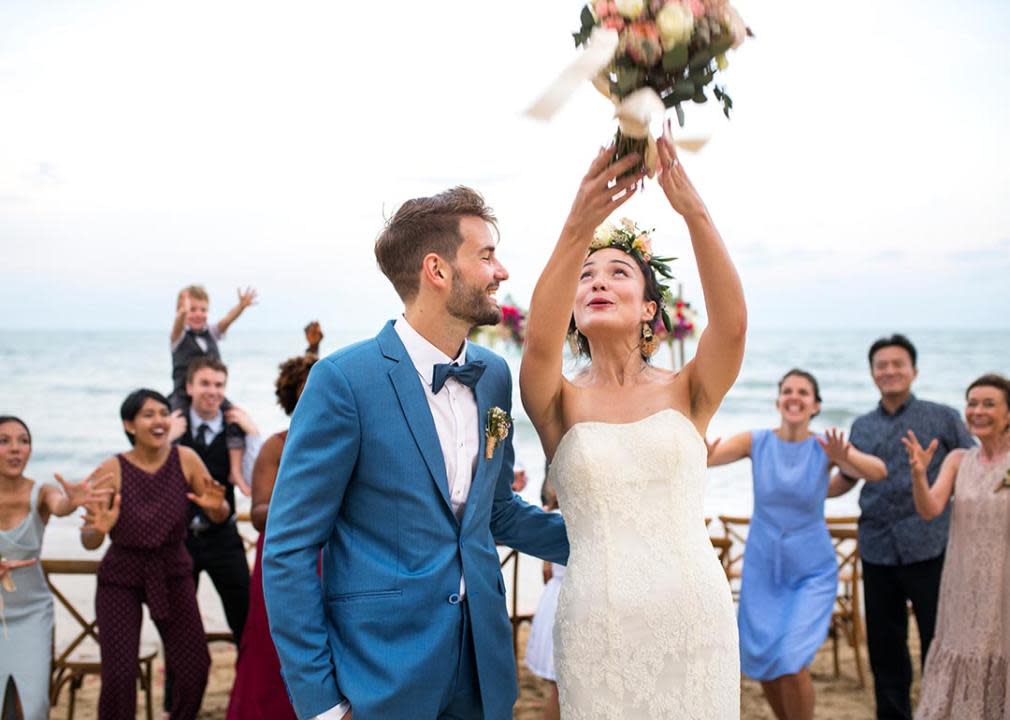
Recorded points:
(601, 192)
(675, 182)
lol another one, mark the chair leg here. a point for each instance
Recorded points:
(149, 701)
(856, 637)
(834, 648)
(75, 684)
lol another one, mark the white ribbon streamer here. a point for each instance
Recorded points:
(634, 113)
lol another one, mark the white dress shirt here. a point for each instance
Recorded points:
(454, 410)
(214, 426)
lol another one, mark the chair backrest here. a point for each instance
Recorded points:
(846, 542)
(734, 528)
(88, 628)
(842, 520)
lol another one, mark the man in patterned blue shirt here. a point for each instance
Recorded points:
(902, 553)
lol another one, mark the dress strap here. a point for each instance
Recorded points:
(33, 500)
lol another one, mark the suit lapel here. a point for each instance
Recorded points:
(415, 409)
(483, 393)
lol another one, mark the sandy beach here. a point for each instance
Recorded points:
(837, 699)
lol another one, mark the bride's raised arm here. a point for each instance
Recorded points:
(540, 379)
(720, 350)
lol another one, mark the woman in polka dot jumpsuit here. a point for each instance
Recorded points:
(147, 559)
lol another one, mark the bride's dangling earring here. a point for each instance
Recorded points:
(649, 343)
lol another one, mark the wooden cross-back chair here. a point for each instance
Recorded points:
(734, 528)
(846, 620)
(81, 657)
(512, 556)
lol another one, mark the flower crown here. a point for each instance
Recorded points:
(636, 242)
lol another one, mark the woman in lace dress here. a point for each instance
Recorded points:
(645, 625)
(967, 666)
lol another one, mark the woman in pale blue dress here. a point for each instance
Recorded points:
(26, 606)
(790, 574)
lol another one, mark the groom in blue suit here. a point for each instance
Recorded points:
(388, 470)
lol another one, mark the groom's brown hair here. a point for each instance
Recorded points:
(426, 225)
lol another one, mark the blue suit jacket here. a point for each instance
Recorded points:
(362, 478)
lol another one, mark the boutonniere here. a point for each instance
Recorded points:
(1004, 483)
(497, 429)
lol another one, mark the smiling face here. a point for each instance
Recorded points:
(196, 314)
(986, 412)
(15, 449)
(797, 401)
(893, 371)
(206, 391)
(611, 295)
(476, 275)
(150, 426)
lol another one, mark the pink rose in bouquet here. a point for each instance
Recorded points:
(640, 41)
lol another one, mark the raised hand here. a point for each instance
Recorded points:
(246, 297)
(210, 498)
(313, 336)
(100, 516)
(601, 192)
(919, 458)
(93, 489)
(674, 181)
(835, 446)
(182, 302)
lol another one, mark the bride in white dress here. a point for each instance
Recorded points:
(645, 623)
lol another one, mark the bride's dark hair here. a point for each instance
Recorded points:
(653, 292)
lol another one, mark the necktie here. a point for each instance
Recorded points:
(205, 333)
(201, 436)
(467, 374)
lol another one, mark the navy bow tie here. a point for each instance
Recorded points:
(205, 333)
(467, 374)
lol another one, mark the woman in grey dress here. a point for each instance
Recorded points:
(26, 607)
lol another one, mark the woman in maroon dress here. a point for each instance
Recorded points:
(259, 693)
(147, 560)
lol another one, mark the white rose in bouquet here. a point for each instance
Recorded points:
(630, 9)
(675, 23)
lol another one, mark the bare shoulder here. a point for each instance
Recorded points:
(953, 459)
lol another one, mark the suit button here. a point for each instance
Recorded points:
(454, 599)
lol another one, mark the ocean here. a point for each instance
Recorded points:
(68, 387)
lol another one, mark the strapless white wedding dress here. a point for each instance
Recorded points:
(645, 626)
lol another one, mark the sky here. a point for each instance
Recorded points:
(863, 180)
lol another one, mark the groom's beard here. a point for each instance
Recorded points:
(472, 304)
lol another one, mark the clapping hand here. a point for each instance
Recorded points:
(100, 516)
(93, 489)
(835, 446)
(674, 181)
(919, 458)
(246, 297)
(210, 498)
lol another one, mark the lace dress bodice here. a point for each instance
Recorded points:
(645, 624)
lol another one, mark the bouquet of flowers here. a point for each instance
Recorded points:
(511, 330)
(656, 55)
